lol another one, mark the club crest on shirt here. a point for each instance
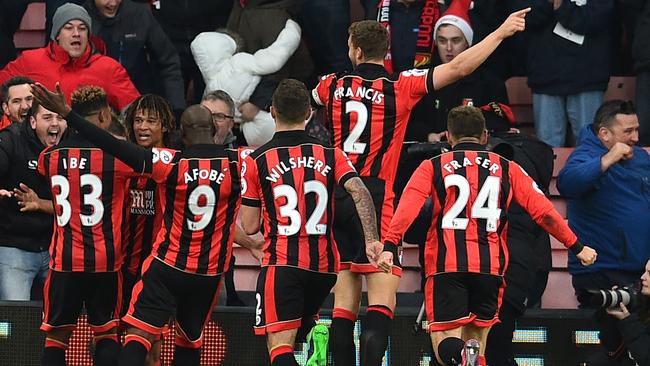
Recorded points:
(163, 156)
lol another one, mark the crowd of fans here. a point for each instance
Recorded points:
(153, 59)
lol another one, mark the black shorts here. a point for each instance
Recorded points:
(65, 293)
(348, 232)
(285, 295)
(163, 292)
(128, 282)
(453, 300)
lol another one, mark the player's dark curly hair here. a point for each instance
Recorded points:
(152, 104)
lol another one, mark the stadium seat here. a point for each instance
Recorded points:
(620, 87)
(521, 99)
(31, 33)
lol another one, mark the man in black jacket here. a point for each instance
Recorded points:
(25, 219)
(135, 39)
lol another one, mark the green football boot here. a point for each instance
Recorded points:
(317, 339)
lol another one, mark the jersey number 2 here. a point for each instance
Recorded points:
(351, 144)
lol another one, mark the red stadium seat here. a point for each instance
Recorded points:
(31, 33)
(521, 99)
(621, 87)
(559, 292)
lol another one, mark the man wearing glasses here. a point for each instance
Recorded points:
(222, 108)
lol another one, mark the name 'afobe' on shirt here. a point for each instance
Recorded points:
(297, 162)
(361, 92)
(209, 174)
(479, 161)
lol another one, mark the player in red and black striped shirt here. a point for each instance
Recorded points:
(200, 193)
(88, 191)
(291, 179)
(149, 121)
(367, 111)
(466, 253)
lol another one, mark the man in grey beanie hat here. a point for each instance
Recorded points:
(71, 60)
(66, 13)
(70, 28)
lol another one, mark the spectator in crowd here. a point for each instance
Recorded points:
(16, 100)
(453, 34)
(72, 59)
(50, 9)
(259, 22)
(423, 35)
(25, 206)
(222, 108)
(569, 56)
(635, 328)
(225, 67)
(182, 21)
(134, 38)
(450, 34)
(607, 183)
(11, 13)
(641, 54)
(324, 25)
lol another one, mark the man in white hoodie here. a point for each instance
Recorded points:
(237, 73)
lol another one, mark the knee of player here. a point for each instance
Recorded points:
(60, 335)
(151, 338)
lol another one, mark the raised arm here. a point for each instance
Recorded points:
(467, 61)
(136, 157)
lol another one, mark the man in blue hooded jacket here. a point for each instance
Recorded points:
(607, 182)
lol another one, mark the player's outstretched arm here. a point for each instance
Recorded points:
(366, 211)
(467, 61)
(138, 158)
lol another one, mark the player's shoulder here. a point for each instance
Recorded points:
(164, 155)
(333, 76)
(410, 74)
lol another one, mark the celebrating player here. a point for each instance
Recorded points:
(466, 253)
(368, 111)
(291, 179)
(201, 186)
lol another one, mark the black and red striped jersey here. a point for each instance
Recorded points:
(368, 112)
(142, 222)
(88, 193)
(471, 191)
(199, 190)
(292, 178)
